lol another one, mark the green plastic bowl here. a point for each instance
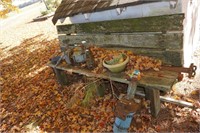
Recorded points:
(117, 67)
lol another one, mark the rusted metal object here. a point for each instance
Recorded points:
(124, 107)
(191, 70)
(124, 111)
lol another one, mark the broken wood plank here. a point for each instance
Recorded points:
(147, 24)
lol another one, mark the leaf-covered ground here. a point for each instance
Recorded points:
(32, 100)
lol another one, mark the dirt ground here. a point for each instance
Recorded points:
(32, 100)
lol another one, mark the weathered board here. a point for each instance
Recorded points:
(151, 80)
(168, 57)
(136, 40)
(160, 37)
(166, 47)
(155, 101)
(161, 80)
(147, 24)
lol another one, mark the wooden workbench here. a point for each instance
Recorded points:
(152, 81)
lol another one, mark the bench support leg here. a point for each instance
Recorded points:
(154, 96)
(147, 94)
(132, 86)
(60, 76)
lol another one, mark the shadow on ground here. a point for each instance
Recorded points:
(29, 89)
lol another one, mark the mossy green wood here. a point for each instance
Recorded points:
(146, 24)
(167, 47)
(168, 57)
(137, 40)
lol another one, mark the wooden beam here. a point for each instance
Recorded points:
(147, 24)
(156, 40)
(166, 47)
(162, 80)
(168, 57)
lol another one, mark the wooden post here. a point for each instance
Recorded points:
(60, 76)
(154, 97)
(147, 93)
(132, 86)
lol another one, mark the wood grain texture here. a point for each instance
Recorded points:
(155, 101)
(166, 47)
(168, 57)
(137, 40)
(147, 24)
(161, 80)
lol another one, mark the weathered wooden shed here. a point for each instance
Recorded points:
(156, 28)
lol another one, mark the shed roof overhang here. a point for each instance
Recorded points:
(72, 7)
(79, 11)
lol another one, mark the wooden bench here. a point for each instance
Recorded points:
(160, 37)
(152, 81)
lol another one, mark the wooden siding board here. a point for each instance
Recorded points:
(148, 24)
(141, 40)
(168, 57)
(169, 53)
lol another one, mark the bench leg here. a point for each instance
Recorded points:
(60, 76)
(132, 86)
(147, 94)
(154, 96)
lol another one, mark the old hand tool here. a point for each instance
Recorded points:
(191, 70)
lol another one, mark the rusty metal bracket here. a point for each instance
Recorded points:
(127, 104)
(191, 70)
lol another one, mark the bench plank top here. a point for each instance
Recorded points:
(161, 80)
